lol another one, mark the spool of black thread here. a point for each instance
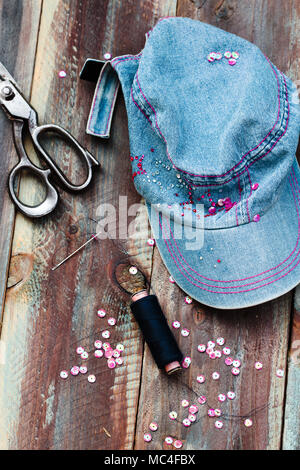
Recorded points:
(156, 331)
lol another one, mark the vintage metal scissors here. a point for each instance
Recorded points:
(20, 112)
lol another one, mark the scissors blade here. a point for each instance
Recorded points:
(5, 75)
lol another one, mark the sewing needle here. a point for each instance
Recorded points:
(76, 251)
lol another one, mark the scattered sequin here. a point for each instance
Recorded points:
(105, 334)
(176, 324)
(202, 399)
(235, 55)
(215, 376)
(83, 369)
(98, 353)
(101, 313)
(227, 55)
(107, 56)
(178, 444)
(235, 371)
(184, 403)
(108, 353)
(147, 437)
(153, 426)
(232, 62)
(258, 365)
(169, 440)
(211, 413)
(120, 347)
(218, 412)
(228, 361)
(236, 363)
(84, 355)
(248, 423)
(80, 350)
(211, 344)
(62, 74)
(192, 418)
(201, 348)
(64, 374)
(200, 379)
(219, 424)
(151, 242)
(188, 300)
(91, 378)
(256, 218)
(193, 409)
(186, 422)
(173, 415)
(221, 397)
(98, 344)
(231, 395)
(111, 363)
(75, 370)
(185, 332)
(226, 351)
(186, 362)
(133, 270)
(112, 321)
(255, 186)
(280, 372)
(171, 280)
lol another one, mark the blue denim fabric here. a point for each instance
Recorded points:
(204, 131)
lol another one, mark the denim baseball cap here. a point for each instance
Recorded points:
(213, 128)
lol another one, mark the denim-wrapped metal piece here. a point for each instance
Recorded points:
(213, 128)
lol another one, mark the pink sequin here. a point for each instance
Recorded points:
(200, 379)
(256, 218)
(178, 444)
(201, 348)
(75, 370)
(101, 313)
(83, 369)
(211, 413)
(228, 361)
(98, 353)
(255, 186)
(202, 399)
(147, 437)
(232, 62)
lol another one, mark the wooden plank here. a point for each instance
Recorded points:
(48, 314)
(256, 334)
(19, 23)
(291, 438)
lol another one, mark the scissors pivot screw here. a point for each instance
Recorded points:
(7, 92)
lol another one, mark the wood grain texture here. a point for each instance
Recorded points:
(49, 314)
(255, 334)
(19, 21)
(291, 437)
(260, 333)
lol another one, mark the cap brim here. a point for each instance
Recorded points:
(241, 266)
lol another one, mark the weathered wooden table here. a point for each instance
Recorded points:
(46, 314)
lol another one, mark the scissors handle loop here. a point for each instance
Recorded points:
(51, 199)
(89, 160)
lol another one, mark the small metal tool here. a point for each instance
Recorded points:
(20, 112)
